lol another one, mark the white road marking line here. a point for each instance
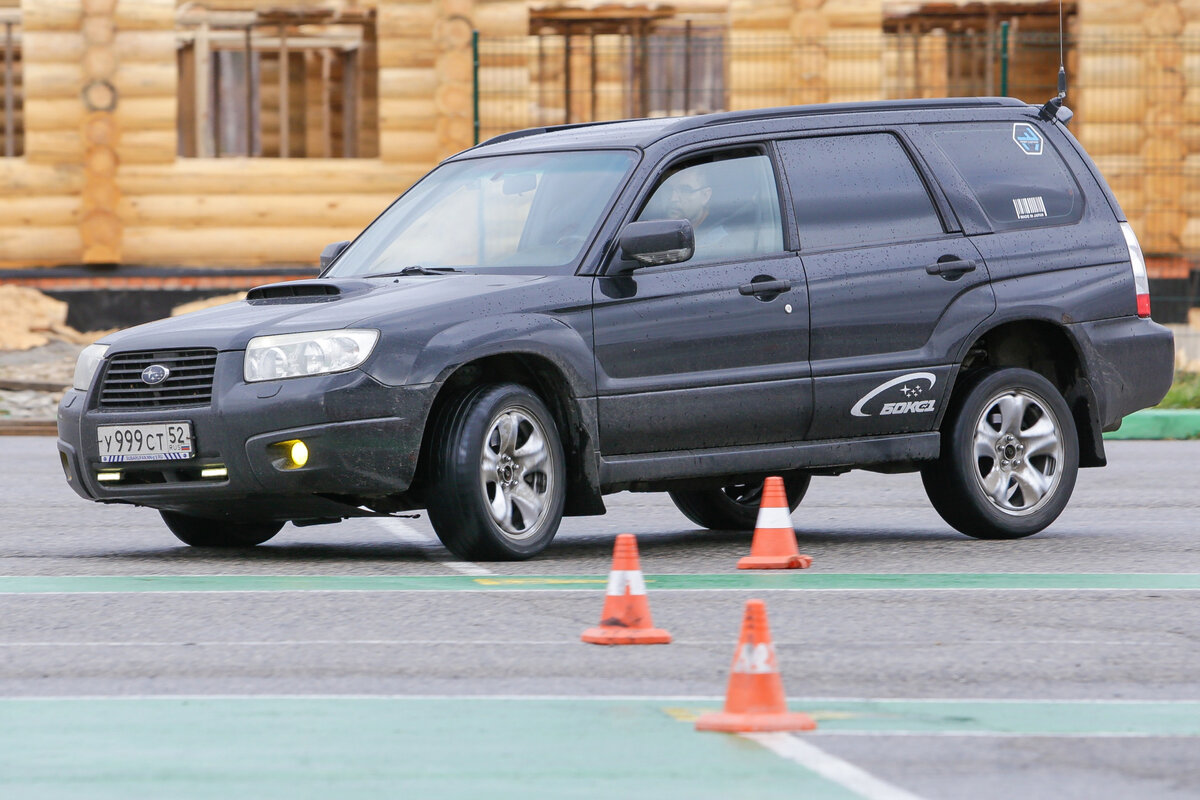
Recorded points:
(830, 767)
(430, 548)
(603, 698)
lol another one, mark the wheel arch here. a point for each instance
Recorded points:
(575, 419)
(1049, 349)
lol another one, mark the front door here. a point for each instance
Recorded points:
(695, 355)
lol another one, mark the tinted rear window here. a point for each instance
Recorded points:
(856, 190)
(1014, 171)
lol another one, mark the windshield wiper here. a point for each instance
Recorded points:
(415, 269)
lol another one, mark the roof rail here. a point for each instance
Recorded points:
(521, 134)
(726, 117)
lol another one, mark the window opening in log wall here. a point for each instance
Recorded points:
(13, 132)
(277, 84)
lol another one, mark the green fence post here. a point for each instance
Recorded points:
(475, 81)
(1004, 59)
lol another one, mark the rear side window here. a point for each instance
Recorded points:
(856, 190)
(1014, 171)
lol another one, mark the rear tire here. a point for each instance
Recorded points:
(733, 507)
(497, 483)
(1010, 455)
(202, 532)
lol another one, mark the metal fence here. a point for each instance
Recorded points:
(1136, 99)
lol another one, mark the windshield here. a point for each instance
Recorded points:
(518, 211)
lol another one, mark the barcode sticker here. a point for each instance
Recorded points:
(1029, 207)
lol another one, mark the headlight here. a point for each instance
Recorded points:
(292, 355)
(86, 366)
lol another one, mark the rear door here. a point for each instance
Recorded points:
(691, 356)
(894, 286)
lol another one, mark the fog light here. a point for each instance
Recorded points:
(108, 475)
(294, 452)
(215, 471)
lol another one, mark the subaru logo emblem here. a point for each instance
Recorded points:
(155, 374)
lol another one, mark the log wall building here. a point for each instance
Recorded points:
(240, 133)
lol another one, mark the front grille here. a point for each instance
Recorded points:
(189, 384)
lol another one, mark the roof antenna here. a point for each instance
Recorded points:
(1054, 106)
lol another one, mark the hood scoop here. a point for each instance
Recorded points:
(312, 291)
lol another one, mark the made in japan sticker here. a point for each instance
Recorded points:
(1029, 207)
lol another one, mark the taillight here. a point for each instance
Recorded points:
(1141, 283)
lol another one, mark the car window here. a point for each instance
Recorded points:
(731, 201)
(856, 190)
(518, 211)
(1014, 171)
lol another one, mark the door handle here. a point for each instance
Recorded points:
(758, 288)
(951, 267)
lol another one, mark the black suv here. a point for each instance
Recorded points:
(681, 305)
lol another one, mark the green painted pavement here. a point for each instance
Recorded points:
(748, 581)
(1159, 423)
(379, 747)
(298, 747)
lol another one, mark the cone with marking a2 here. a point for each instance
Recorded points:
(755, 700)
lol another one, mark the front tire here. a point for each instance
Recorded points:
(1010, 455)
(733, 507)
(202, 532)
(498, 482)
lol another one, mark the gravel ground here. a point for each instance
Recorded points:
(53, 363)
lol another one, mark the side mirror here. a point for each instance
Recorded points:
(656, 242)
(331, 252)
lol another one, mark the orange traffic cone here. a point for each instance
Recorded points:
(774, 543)
(626, 615)
(755, 700)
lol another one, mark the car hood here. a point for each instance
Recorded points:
(324, 304)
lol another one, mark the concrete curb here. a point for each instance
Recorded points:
(1159, 423)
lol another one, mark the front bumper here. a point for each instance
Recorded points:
(364, 439)
(1129, 362)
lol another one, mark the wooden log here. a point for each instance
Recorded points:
(501, 18)
(1160, 151)
(60, 147)
(407, 82)
(254, 176)
(455, 65)
(156, 47)
(1111, 11)
(451, 33)
(99, 63)
(407, 54)
(36, 246)
(1112, 138)
(51, 15)
(1190, 238)
(1165, 19)
(21, 178)
(453, 98)
(39, 211)
(411, 146)
(141, 15)
(56, 47)
(147, 112)
(1115, 69)
(407, 112)
(762, 75)
(238, 210)
(56, 114)
(1115, 104)
(147, 146)
(146, 79)
(402, 21)
(100, 227)
(100, 195)
(100, 129)
(240, 246)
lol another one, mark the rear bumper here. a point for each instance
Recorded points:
(1129, 363)
(363, 439)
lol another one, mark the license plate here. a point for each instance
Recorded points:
(167, 441)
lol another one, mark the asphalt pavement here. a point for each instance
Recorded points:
(361, 659)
